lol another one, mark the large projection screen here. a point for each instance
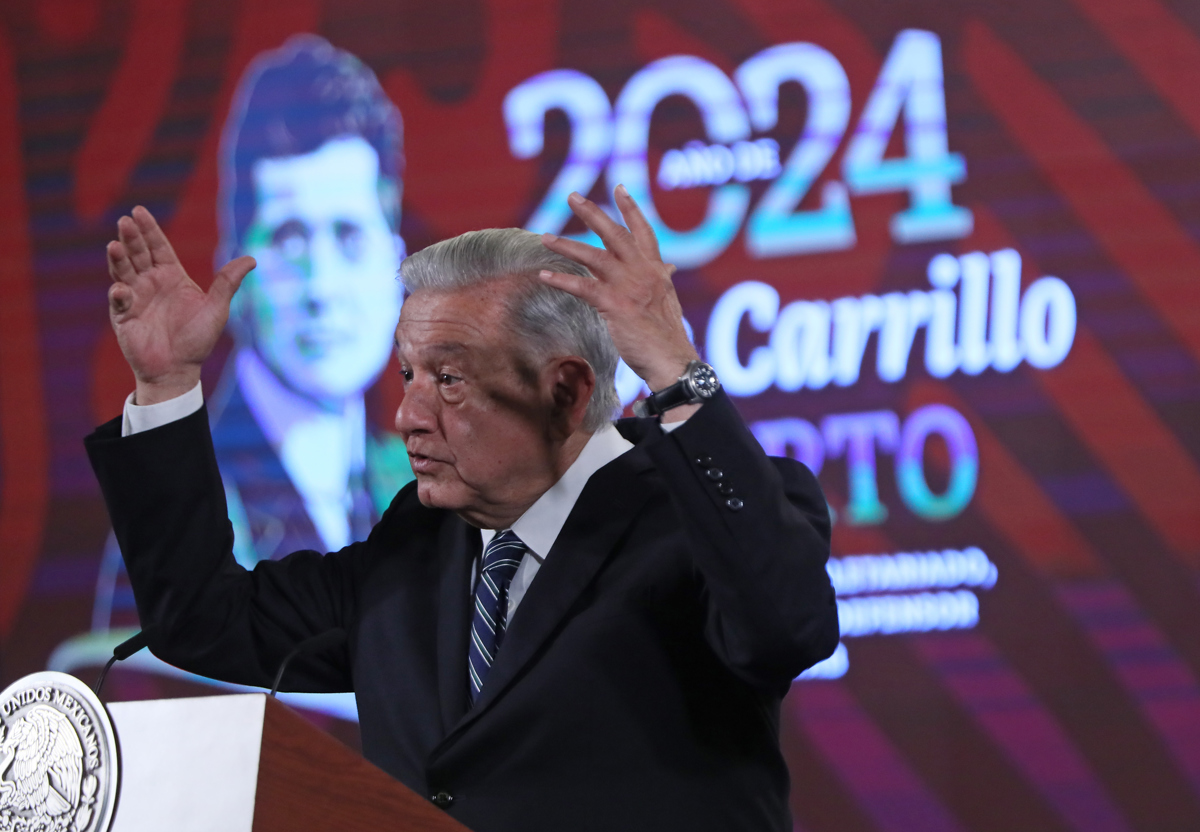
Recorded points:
(947, 254)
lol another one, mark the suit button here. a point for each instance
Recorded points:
(704, 461)
(714, 474)
(725, 488)
(442, 800)
(734, 504)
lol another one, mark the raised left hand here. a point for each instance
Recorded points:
(632, 290)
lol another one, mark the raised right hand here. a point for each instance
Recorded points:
(165, 323)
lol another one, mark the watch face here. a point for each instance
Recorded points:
(704, 380)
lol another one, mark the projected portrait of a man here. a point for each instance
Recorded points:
(311, 166)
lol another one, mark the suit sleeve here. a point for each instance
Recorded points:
(761, 548)
(202, 610)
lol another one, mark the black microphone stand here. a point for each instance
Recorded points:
(122, 652)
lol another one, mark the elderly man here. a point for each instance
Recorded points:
(562, 625)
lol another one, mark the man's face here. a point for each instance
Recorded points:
(475, 416)
(322, 302)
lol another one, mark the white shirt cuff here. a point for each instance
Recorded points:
(138, 418)
(670, 426)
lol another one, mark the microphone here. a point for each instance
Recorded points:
(319, 642)
(122, 652)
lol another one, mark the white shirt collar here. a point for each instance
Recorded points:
(541, 523)
(320, 449)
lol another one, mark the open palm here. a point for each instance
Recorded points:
(165, 323)
(632, 289)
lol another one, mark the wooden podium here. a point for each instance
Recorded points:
(248, 762)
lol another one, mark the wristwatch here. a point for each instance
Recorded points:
(695, 386)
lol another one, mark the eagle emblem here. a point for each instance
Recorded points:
(56, 751)
(41, 764)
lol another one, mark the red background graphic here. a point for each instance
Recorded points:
(1074, 703)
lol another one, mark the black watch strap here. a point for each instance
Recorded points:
(696, 385)
(658, 403)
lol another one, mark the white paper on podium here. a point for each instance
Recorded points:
(188, 765)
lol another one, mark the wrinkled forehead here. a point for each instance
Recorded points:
(464, 322)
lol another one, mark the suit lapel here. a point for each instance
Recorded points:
(608, 505)
(274, 511)
(458, 547)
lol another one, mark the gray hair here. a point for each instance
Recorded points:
(553, 322)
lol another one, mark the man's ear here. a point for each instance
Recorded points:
(571, 382)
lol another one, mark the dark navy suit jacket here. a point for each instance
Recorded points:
(640, 680)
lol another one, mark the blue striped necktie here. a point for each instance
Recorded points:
(500, 561)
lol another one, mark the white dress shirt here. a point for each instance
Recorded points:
(138, 418)
(537, 528)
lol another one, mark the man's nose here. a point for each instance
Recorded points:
(418, 410)
(327, 268)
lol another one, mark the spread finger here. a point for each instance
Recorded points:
(638, 225)
(616, 239)
(135, 244)
(156, 241)
(590, 256)
(119, 267)
(581, 287)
